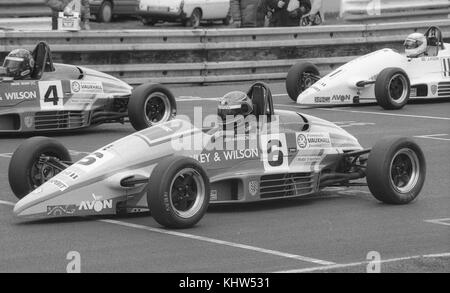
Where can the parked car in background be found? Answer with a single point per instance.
(188, 12)
(105, 10)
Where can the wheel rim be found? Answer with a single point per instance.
(405, 171)
(41, 172)
(157, 108)
(398, 90)
(107, 13)
(187, 193)
(306, 81)
(196, 18)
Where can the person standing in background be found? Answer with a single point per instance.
(279, 15)
(65, 6)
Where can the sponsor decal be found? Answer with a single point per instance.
(19, 96)
(61, 210)
(213, 195)
(28, 121)
(302, 141)
(315, 88)
(233, 155)
(322, 100)
(59, 184)
(434, 89)
(309, 159)
(96, 205)
(77, 101)
(313, 140)
(341, 98)
(253, 187)
(71, 174)
(81, 86)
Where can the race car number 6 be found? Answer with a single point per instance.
(274, 150)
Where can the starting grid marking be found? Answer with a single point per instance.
(324, 265)
(345, 124)
(445, 221)
(361, 263)
(435, 136)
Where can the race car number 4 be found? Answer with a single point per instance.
(51, 95)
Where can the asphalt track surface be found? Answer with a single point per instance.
(332, 232)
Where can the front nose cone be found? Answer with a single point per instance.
(35, 203)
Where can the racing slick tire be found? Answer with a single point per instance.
(25, 173)
(396, 170)
(195, 19)
(151, 104)
(296, 83)
(178, 192)
(105, 13)
(392, 88)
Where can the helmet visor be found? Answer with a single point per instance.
(13, 64)
(412, 44)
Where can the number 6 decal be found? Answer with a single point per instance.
(274, 152)
(51, 95)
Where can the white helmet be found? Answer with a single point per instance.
(415, 44)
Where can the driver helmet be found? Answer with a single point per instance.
(415, 45)
(235, 104)
(19, 64)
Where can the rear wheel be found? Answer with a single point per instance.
(105, 12)
(396, 170)
(151, 104)
(195, 19)
(148, 21)
(300, 77)
(30, 168)
(228, 20)
(178, 192)
(392, 88)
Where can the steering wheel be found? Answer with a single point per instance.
(434, 37)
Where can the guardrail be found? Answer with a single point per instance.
(10, 8)
(215, 55)
(393, 10)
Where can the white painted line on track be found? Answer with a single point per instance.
(220, 242)
(369, 112)
(7, 203)
(210, 240)
(445, 221)
(6, 155)
(361, 263)
(434, 136)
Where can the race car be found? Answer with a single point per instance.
(385, 76)
(176, 169)
(66, 97)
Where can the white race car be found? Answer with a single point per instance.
(387, 76)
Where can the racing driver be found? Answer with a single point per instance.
(415, 45)
(19, 64)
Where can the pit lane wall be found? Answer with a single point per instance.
(216, 55)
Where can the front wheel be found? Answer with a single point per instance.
(151, 104)
(178, 192)
(30, 166)
(396, 170)
(300, 77)
(392, 88)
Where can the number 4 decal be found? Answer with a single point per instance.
(51, 95)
